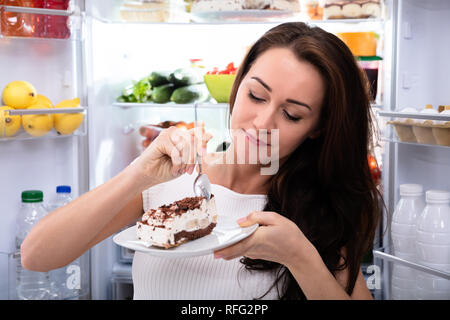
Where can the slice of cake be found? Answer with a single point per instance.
(173, 224)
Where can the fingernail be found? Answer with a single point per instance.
(241, 220)
(217, 256)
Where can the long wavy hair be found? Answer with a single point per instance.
(325, 186)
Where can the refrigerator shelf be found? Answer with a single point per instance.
(53, 12)
(185, 18)
(204, 105)
(384, 253)
(424, 116)
(415, 143)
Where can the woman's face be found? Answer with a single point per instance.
(279, 92)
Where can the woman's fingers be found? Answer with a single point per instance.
(189, 143)
(259, 217)
(236, 250)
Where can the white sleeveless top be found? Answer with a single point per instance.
(199, 278)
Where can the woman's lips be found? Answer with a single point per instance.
(255, 140)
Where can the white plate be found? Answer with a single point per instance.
(226, 233)
(239, 15)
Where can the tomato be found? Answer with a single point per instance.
(230, 69)
(230, 66)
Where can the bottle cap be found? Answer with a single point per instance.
(63, 189)
(411, 189)
(437, 196)
(32, 196)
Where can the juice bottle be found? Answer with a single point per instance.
(18, 24)
(56, 26)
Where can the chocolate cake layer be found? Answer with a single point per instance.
(192, 235)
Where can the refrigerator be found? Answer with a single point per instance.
(104, 53)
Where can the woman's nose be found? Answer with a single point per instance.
(265, 118)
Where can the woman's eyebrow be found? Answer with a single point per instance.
(262, 83)
(287, 100)
(299, 103)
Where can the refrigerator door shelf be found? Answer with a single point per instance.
(421, 116)
(54, 12)
(76, 276)
(21, 134)
(384, 254)
(40, 23)
(415, 128)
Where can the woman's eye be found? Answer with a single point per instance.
(289, 117)
(254, 98)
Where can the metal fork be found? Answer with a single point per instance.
(202, 185)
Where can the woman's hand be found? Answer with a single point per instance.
(170, 155)
(277, 239)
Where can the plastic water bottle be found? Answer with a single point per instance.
(65, 281)
(433, 245)
(403, 234)
(31, 285)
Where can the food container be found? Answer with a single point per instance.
(371, 66)
(423, 128)
(149, 11)
(403, 127)
(219, 86)
(363, 44)
(441, 129)
(352, 9)
(313, 8)
(441, 133)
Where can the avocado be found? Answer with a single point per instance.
(184, 77)
(162, 94)
(188, 94)
(158, 78)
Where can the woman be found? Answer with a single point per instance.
(317, 214)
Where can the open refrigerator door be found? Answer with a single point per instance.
(43, 137)
(417, 152)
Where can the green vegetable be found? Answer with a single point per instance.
(184, 77)
(188, 94)
(139, 91)
(162, 93)
(158, 78)
(142, 90)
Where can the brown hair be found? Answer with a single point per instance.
(325, 186)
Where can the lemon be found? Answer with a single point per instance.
(37, 125)
(9, 125)
(67, 123)
(42, 101)
(19, 94)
